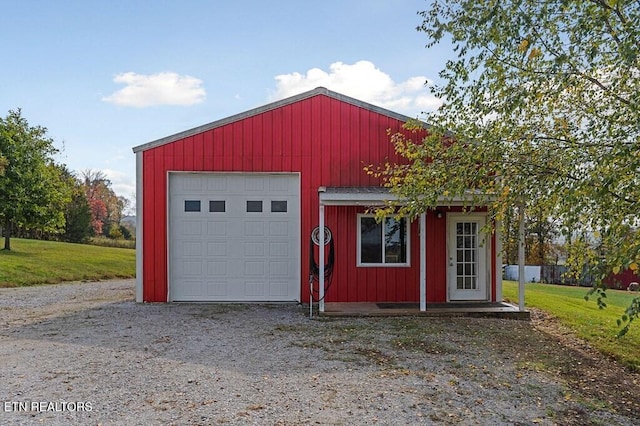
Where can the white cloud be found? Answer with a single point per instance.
(165, 88)
(362, 80)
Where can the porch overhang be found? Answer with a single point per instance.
(373, 196)
(376, 196)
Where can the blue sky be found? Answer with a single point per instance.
(105, 76)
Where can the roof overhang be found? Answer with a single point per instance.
(355, 196)
(376, 196)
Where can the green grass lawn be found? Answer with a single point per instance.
(596, 326)
(46, 262)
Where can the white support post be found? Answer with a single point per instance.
(423, 262)
(521, 257)
(321, 260)
(498, 256)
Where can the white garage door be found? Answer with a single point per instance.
(234, 237)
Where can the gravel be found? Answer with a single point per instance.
(86, 353)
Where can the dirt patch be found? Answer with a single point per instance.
(595, 376)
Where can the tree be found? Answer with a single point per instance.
(106, 206)
(77, 213)
(540, 109)
(32, 194)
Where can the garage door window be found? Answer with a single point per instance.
(254, 206)
(383, 243)
(278, 207)
(217, 206)
(191, 205)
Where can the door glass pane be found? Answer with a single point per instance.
(466, 255)
(468, 242)
(370, 240)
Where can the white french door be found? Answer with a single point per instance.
(467, 258)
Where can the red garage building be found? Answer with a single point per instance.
(226, 210)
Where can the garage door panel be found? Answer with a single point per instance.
(279, 228)
(280, 184)
(254, 184)
(217, 227)
(217, 268)
(254, 289)
(217, 184)
(192, 248)
(217, 289)
(254, 268)
(192, 268)
(278, 288)
(254, 228)
(278, 269)
(217, 248)
(223, 252)
(277, 249)
(254, 248)
(192, 288)
(191, 227)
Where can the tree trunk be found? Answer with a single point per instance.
(7, 234)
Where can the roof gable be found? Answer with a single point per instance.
(318, 91)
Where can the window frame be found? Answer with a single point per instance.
(359, 263)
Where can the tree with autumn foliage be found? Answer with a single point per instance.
(540, 109)
(106, 207)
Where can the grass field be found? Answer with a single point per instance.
(46, 262)
(596, 326)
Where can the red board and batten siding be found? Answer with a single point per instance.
(328, 141)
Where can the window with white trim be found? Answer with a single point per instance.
(384, 243)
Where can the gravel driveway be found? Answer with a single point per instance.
(85, 353)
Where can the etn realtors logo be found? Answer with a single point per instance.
(46, 406)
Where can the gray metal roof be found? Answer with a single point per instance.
(355, 195)
(296, 98)
(378, 195)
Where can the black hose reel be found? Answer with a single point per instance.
(314, 268)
